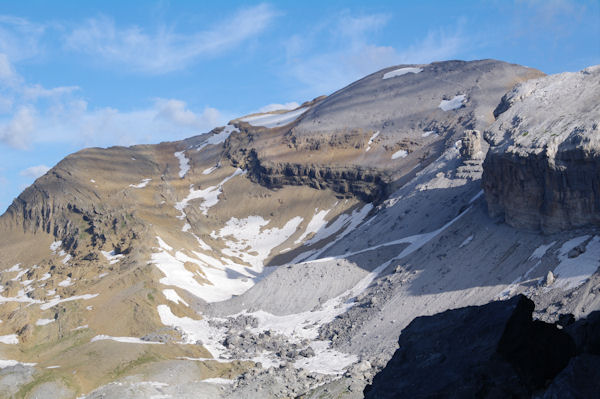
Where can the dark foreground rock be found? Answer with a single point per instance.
(492, 351)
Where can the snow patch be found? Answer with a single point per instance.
(401, 71)
(455, 103)
(127, 340)
(541, 251)
(373, 137)
(55, 245)
(572, 272)
(218, 381)
(314, 226)
(65, 283)
(56, 301)
(250, 242)
(43, 322)
(208, 171)
(274, 120)
(194, 330)
(429, 133)
(12, 363)
(172, 296)
(112, 257)
(466, 241)
(184, 163)
(10, 339)
(209, 195)
(142, 184)
(399, 154)
(219, 137)
(80, 328)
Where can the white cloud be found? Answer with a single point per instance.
(18, 130)
(35, 92)
(8, 76)
(19, 38)
(358, 26)
(165, 50)
(34, 172)
(277, 107)
(176, 111)
(353, 55)
(73, 122)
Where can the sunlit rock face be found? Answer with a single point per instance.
(543, 168)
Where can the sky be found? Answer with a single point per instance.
(79, 74)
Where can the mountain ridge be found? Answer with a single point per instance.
(285, 251)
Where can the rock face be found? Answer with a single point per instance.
(543, 168)
(471, 145)
(494, 350)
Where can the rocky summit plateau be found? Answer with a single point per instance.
(427, 231)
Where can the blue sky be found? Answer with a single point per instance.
(75, 74)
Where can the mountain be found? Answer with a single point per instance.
(283, 254)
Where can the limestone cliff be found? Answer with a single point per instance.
(543, 168)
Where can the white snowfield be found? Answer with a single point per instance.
(401, 71)
(429, 133)
(314, 226)
(347, 222)
(126, 340)
(43, 322)
(400, 154)
(55, 246)
(373, 137)
(222, 281)
(209, 195)
(10, 339)
(142, 184)
(56, 301)
(454, 103)
(219, 138)
(172, 296)
(184, 163)
(11, 363)
(112, 257)
(274, 120)
(219, 279)
(248, 240)
(218, 381)
(208, 171)
(572, 272)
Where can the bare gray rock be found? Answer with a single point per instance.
(542, 170)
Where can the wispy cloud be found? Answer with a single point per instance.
(17, 131)
(65, 117)
(351, 51)
(34, 172)
(166, 50)
(19, 37)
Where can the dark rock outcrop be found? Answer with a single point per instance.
(493, 351)
(367, 184)
(543, 168)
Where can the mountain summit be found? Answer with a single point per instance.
(283, 254)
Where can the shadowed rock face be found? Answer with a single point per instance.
(494, 350)
(543, 168)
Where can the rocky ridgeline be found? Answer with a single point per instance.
(542, 171)
(367, 184)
